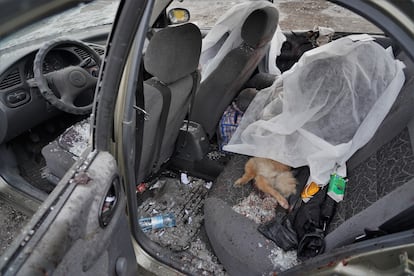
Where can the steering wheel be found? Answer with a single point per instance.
(68, 82)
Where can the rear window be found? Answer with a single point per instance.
(294, 14)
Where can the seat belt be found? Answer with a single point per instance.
(196, 81)
(159, 135)
(399, 223)
(140, 116)
(166, 97)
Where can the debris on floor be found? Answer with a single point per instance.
(184, 179)
(258, 207)
(283, 259)
(216, 155)
(157, 222)
(185, 202)
(204, 259)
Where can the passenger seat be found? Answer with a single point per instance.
(172, 57)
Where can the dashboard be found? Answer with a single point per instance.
(21, 104)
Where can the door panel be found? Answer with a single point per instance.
(75, 241)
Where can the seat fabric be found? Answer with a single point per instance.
(231, 52)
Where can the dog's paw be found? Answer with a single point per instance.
(283, 203)
(238, 183)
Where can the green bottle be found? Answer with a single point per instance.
(336, 188)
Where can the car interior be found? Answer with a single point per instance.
(182, 169)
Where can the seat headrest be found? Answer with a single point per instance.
(173, 52)
(259, 26)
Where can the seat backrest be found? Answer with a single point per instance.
(172, 57)
(231, 61)
(380, 172)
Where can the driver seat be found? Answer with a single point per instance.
(177, 73)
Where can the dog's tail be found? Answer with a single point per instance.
(286, 183)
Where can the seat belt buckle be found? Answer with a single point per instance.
(142, 111)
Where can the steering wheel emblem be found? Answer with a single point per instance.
(77, 78)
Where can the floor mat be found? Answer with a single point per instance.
(202, 261)
(186, 202)
(32, 168)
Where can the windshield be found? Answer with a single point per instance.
(82, 17)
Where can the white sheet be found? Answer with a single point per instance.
(320, 112)
(226, 35)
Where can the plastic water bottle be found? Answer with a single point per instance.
(157, 222)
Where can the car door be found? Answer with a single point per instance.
(75, 231)
(82, 228)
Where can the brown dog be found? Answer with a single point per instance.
(271, 177)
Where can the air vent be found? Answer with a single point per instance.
(12, 79)
(100, 51)
(82, 53)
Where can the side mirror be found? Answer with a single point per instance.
(178, 16)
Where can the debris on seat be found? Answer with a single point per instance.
(258, 207)
(304, 228)
(233, 115)
(241, 249)
(75, 139)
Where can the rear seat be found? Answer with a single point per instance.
(383, 167)
(378, 169)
